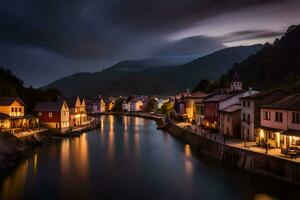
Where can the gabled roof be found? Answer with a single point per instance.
(232, 108)
(197, 95)
(7, 101)
(291, 102)
(264, 94)
(48, 106)
(218, 98)
(71, 101)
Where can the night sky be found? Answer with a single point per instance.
(43, 40)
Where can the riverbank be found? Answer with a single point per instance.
(13, 148)
(234, 157)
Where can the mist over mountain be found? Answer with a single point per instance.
(151, 77)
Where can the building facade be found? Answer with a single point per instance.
(77, 110)
(54, 116)
(280, 123)
(13, 118)
(230, 121)
(250, 112)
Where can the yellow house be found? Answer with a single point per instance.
(77, 109)
(12, 116)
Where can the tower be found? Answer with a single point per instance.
(236, 83)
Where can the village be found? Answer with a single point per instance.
(267, 122)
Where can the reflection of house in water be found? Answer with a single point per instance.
(14, 185)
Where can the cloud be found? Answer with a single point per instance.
(197, 45)
(250, 35)
(85, 35)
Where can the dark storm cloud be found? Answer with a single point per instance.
(86, 35)
(103, 29)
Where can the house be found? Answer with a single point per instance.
(95, 105)
(109, 104)
(54, 116)
(13, 118)
(280, 123)
(230, 120)
(136, 105)
(77, 110)
(180, 103)
(250, 111)
(126, 106)
(211, 109)
(194, 107)
(218, 102)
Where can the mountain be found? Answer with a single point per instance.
(136, 77)
(275, 64)
(12, 86)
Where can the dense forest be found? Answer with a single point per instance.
(274, 66)
(12, 86)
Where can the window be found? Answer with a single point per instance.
(50, 114)
(20, 109)
(248, 103)
(12, 109)
(228, 118)
(267, 116)
(40, 114)
(296, 118)
(244, 117)
(248, 118)
(278, 116)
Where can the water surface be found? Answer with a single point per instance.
(128, 158)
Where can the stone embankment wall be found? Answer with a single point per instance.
(235, 157)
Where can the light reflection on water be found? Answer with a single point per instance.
(125, 158)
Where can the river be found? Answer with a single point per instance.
(128, 158)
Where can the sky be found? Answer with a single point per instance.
(41, 41)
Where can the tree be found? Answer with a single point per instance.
(166, 108)
(151, 105)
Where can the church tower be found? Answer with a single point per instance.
(236, 83)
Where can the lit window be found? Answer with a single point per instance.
(50, 114)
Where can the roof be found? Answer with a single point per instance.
(6, 101)
(232, 108)
(183, 94)
(197, 95)
(218, 97)
(236, 77)
(48, 106)
(71, 101)
(291, 102)
(263, 94)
